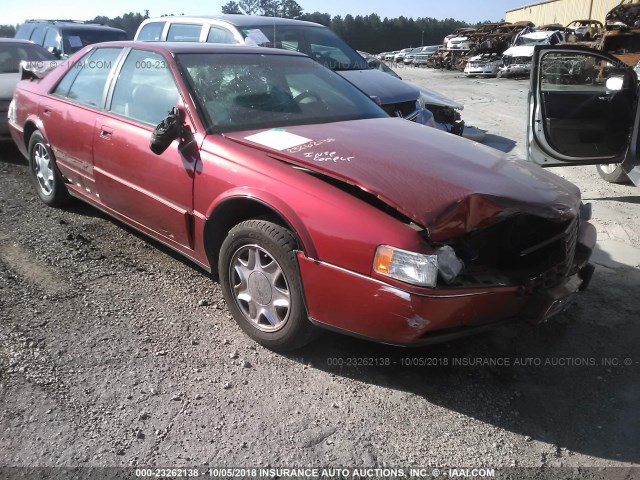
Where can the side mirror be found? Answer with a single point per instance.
(167, 131)
(55, 51)
(376, 99)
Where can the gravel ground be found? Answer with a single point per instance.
(116, 352)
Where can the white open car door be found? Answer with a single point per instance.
(582, 109)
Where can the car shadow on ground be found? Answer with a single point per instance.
(9, 153)
(571, 382)
(630, 199)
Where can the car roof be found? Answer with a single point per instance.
(75, 24)
(236, 20)
(80, 26)
(198, 47)
(15, 40)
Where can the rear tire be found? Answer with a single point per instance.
(44, 172)
(258, 272)
(612, 173)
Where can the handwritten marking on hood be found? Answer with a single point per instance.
(327, 157)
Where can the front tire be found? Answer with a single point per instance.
(259, 276)
(44, 172)
(612, 173)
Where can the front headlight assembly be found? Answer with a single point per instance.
(417, 268)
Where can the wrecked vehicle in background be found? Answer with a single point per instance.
(622, 34)
(516, 61)
(397, 98)
(486, 43)
(484, 65)
(583, 30)
(286, 180)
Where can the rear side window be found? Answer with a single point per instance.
(220, 35)
(145, 90)
(85, 81)
(38, 35)
(182, 32)
(53, 40)
(74, 39)
(151, 32)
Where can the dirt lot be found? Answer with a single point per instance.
(115, 352)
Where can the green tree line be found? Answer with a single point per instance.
(369, 32)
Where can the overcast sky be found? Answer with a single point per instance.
(469, 10)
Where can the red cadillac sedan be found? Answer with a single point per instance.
(312, 205)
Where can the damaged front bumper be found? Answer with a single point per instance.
(514, 70)
(366, 307)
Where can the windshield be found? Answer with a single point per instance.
(12, 53)
(76, 39)
(319, 43)
(250, 91)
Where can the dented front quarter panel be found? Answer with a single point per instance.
(444, 183)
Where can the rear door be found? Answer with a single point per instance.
(582, 108)
(70, 112)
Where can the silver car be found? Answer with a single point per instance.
(12, 52)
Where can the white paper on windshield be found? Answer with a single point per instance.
(257, 36)
(277, 139)
(75, 41)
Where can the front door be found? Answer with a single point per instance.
(582, 108)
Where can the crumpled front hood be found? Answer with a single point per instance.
(387, 88)
(519, 51)
(444, 183)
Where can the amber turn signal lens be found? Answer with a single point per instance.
(382, 262)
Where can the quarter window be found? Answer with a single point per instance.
(145, 90)
(151, 32)
(220, 35)
(180, 32)
(86, 79)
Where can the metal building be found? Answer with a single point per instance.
(562, 11)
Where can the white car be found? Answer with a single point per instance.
(459, 43)
(389, 56)
(486, 65)
(399, 57)
(517, 60)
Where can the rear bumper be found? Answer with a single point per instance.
(363, 306)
